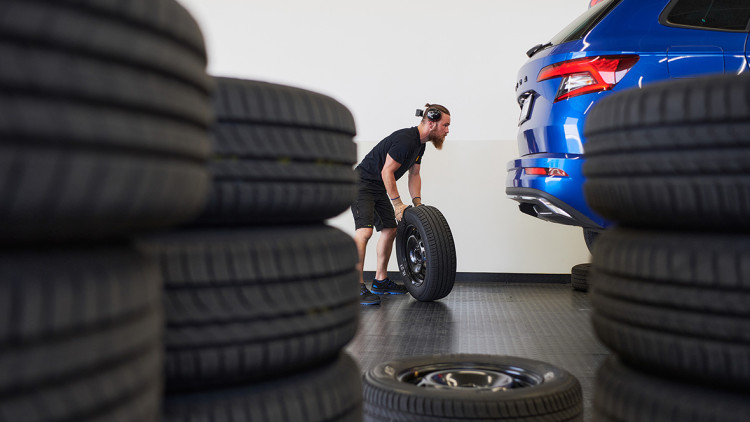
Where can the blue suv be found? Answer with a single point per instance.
(615, 45)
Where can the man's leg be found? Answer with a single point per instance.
(361, 237)
(385, 246)
(362, 210)
(382, 284)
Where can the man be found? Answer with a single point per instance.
(379, 203)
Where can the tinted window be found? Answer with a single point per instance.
(584, 23)
(732, 15)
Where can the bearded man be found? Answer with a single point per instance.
(379, 203)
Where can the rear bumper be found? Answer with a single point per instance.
(555, 199)
(548, 208)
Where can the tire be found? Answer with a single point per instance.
(675, 303)
(673, 154)
(625, 395)
(248, 304)
(282, 155)
(589, 236)
(81, 335)
(332, 393)
(579, 276)
(105, 118)
(426, 253)
(539, 391)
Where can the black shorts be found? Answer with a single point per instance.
(373, 207)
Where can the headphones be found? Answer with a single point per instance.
(433, 114)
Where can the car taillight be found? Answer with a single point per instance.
(588, 74)
(545, 171)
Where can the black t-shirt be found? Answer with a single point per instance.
(403, 146)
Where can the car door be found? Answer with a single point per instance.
(707, 37)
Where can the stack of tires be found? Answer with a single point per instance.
(104, 131)
(260, 295)
(670, 164)
(579, 277)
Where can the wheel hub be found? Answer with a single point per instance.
(470, 376)
(475, 379)
(416, 257)
(417, 254)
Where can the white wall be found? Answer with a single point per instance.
(466, 181)
(385, 59)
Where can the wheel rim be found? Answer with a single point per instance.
(416, 257)
(467, 379)
(470, 376)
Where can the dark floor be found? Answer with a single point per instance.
(547, 322)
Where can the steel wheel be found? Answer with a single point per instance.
(470, 376)
(416, 257)
(471, 387)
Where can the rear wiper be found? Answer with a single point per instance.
(535, 49)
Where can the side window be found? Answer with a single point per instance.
(727, 15)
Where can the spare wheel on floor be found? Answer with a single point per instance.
(471, 387)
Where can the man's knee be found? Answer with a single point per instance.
(364, 233)
(389, 233)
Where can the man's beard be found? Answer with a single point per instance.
(437, 141)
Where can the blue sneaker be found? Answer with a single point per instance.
(385, 287)
(366, 297)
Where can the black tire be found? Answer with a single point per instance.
(282, 154)
(426, 253)
(248, 304)
(105, 121)
(540, 391)
(579, 277)
(589, 236)
(331, 393)
(673, 154)
(675, 303)
(624, 395)
(80, 335)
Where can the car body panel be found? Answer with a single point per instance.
(552, 134)
(560, 190)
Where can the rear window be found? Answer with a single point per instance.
(584, 23)
(726, 15)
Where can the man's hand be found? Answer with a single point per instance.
(400, 212)
(417, 201)
(399, 208)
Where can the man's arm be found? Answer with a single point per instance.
(388, 174)
(389, 180)
(415, 185)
